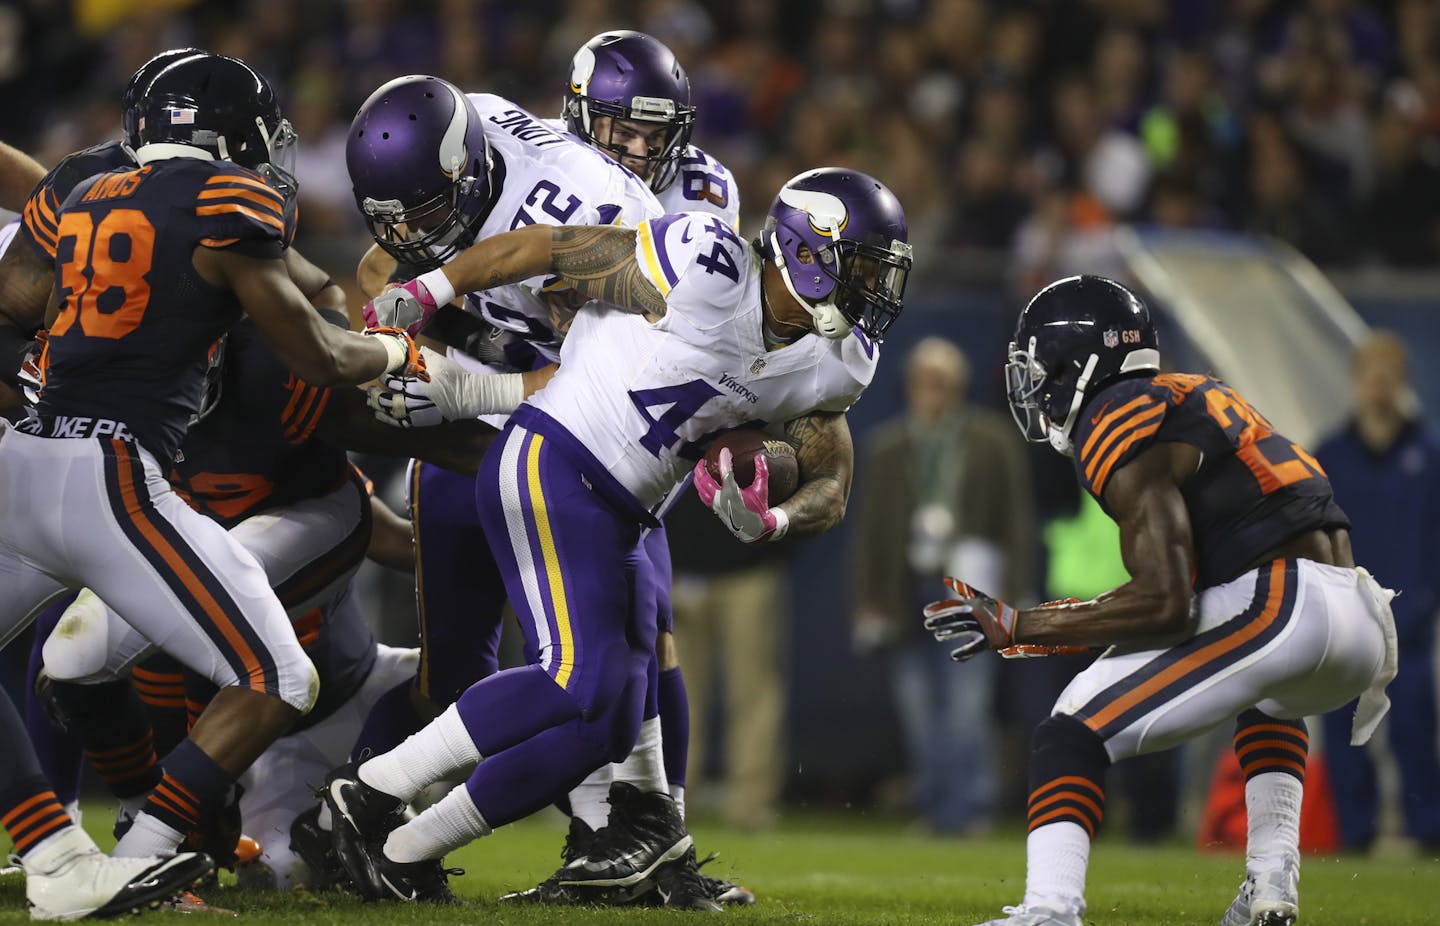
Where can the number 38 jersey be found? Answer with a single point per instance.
(1255, 488)
(644, 398)
(136, 321)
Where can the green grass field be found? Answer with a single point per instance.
(839, 870)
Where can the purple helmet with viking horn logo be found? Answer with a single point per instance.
(842, 246)
(631, 77)
(420, 167)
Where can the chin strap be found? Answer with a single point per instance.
(829, 321)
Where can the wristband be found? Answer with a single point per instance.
(438, 285)
(397, 352)
(782, 524)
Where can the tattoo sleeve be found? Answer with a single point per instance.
(600, 262)
(827, 464)
(26, 282)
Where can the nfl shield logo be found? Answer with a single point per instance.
(757, 366)
(1111, 338)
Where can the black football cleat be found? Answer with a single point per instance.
(317, 850)
(645, 831)
(425, 881)
(360, 819)
(578, 842)
(679, 884)
(724, 892)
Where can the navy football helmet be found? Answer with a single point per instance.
(1077, 335)
(135, 90)
(420, 166)
(213, 106)
(629, 76)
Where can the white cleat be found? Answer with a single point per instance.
(1034, 916)
(1271, 898)
(70, 878)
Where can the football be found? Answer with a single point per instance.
(747, 443)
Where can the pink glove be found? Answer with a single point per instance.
(746, 512)
(407, 306)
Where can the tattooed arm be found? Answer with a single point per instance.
(827, 463)
(599, 261)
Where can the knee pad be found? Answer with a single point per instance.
(1068, 762)
(78, 648)
(299, 682)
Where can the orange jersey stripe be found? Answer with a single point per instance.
(224, 208)
(1103, 476)
(1275, 595)
(1103, 424)
(294, 427)
(177, 564)
(269, 199)
(315, 417)
(241, 180)
(1116, 432)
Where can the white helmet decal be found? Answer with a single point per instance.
(582, 68)
(827, 212)
(452, 145)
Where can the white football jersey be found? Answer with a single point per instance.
(645, 398)
(702, 184)
(545, 178)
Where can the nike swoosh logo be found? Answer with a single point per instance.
(735, 528)
(399, 893)
(1101, 413)
(685, 235)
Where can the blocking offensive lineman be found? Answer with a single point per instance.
(697, 332)
(1236, 549)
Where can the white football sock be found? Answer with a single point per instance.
(645, 766)
(450, 823)
(677, 794)
(1056, 856)
(148, 837)
(1272, 806)
(590, 798)
(440, 749)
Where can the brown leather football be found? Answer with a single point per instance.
(744, 445)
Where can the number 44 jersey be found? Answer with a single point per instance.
(645, 397)
(1255, 488)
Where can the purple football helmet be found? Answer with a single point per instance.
(420, 167)
(856, 251)
(629, 76)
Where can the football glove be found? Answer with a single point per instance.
(745, 512)
(407, 306)
(405, 358)
(978, 622)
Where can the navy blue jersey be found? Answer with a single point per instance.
(257, 448)
(136, 320)
(1255, 488)
(40, 222)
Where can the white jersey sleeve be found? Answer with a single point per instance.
(703, 185)
(698, 264)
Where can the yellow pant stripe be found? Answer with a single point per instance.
(552, 565)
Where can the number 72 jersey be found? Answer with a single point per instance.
(646, 397)
(1255, 488)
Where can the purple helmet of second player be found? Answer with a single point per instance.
(420, 167)
(630, 77)
(840, 241)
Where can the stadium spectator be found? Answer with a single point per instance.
(1385, 467)
(947, 486)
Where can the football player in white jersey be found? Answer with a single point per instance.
(696, 332)
(629, 98)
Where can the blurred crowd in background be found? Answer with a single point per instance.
(1032, 126)
(1021, 135)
